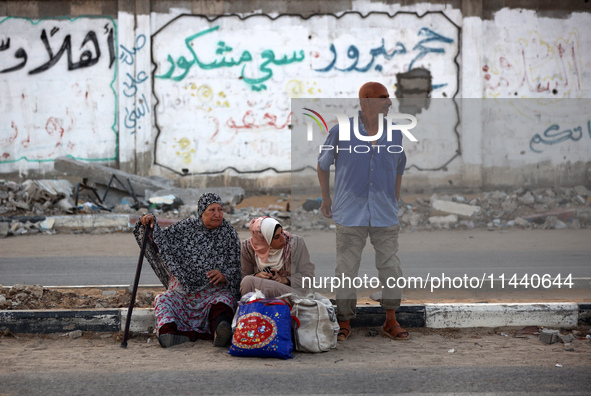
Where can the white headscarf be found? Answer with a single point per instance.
(275, 258)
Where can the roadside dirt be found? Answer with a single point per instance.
(26, 297)
(24, 354)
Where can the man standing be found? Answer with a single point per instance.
(368, 176)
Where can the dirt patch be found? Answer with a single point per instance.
(23, 297)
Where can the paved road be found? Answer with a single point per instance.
(67, 259)
(113, 270)
(312, 380)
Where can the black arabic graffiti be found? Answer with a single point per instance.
(87, 57)
(5, 45)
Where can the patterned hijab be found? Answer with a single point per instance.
(262, 231)
(189, 250)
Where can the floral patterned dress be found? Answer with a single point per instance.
(181, 255)
(190, 311)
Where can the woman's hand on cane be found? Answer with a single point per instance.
(147, 219)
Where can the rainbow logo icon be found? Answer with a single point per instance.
(317, 121)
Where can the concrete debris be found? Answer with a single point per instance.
(549, 336)
(20, 295)
(498, 196)
(454, 208)
(100, 176)
(4, 302)
(47, 190)
(553, 223)
(566, 338)
(412, 218)
(509, 206)
(575, 224)
(443, 220)
(581, 190)
(458, 198)
(544, 208)
(75, 334)
(527, 199)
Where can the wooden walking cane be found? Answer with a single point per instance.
(135, 285)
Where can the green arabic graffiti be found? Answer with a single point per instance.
(256, 83)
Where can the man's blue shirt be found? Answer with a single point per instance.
(365, 177)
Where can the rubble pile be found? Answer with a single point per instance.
(36, 197)
(20, 297)
(546, 208)
(27, 207)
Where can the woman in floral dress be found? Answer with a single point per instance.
(198, 259)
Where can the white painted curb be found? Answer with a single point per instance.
(142, 320)
(559, 315)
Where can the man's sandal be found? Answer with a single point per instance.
(393, 330)
(344, 331)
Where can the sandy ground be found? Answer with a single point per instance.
(101, 353)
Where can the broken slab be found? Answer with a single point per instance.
(48, 190)
(549, 336)
(447, 207)
(102, 175)
(147, 187)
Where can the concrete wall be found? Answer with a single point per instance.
(59, 90)
(186, 90)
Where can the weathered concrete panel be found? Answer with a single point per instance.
(85, 7)
(495, 315)
(102, 174)
(142, 320)
(60, 321)
(23, 8)
(58, 95)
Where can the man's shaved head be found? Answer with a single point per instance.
(372, 89)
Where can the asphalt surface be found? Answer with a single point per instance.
(312, 380)
(116, 270)
(476, 253)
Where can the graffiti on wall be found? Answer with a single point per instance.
(267, 61)
(539, 77)
(89, 55)
(57, 95)
(536, 67)
(223, 87)
(133, 82)
(554, 134)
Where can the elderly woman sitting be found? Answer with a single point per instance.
(198, 259)
(273, 260)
